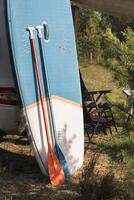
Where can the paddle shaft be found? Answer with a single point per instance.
(50, 110)
(40, 90)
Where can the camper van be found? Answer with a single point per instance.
(9, 106)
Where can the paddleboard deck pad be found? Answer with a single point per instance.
(63, 77)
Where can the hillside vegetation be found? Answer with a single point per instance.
(109, 41)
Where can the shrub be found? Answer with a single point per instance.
(96, 187)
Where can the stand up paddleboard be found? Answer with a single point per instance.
(49, 85)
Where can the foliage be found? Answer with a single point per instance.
(89, 35)
(117, 24)
(127, 55)
(123, 52)
(110, 41)
(110, 44)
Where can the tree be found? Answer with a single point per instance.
(123, 52)
(112, 39)
(89, 42)
(127, 55)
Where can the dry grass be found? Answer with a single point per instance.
(21, 179)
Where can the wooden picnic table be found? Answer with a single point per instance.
(99, 93)
(95, 95)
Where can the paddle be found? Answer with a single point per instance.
(59, 153)
(55, 170)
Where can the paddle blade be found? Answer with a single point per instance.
(62, 161)
(56, 172)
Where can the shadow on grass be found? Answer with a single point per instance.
(22, 140)
(118, 147)
(16, 163)
(123, 120)
(21, 179)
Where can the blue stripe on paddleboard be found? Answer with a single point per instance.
(60, 51)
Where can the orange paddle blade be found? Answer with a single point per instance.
(55, 170)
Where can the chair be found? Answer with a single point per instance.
(107, 109)
(97, 116)
(91, 124)
(97, 121)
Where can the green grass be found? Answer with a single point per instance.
(97, 77)
(120, 150)
(118, 182)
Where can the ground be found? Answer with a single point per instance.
(21, 179)
(107, 172)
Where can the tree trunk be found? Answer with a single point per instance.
(91, 58)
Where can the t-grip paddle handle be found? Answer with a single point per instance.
(31, 30)
(39, 31)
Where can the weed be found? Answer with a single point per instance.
(94, 186)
